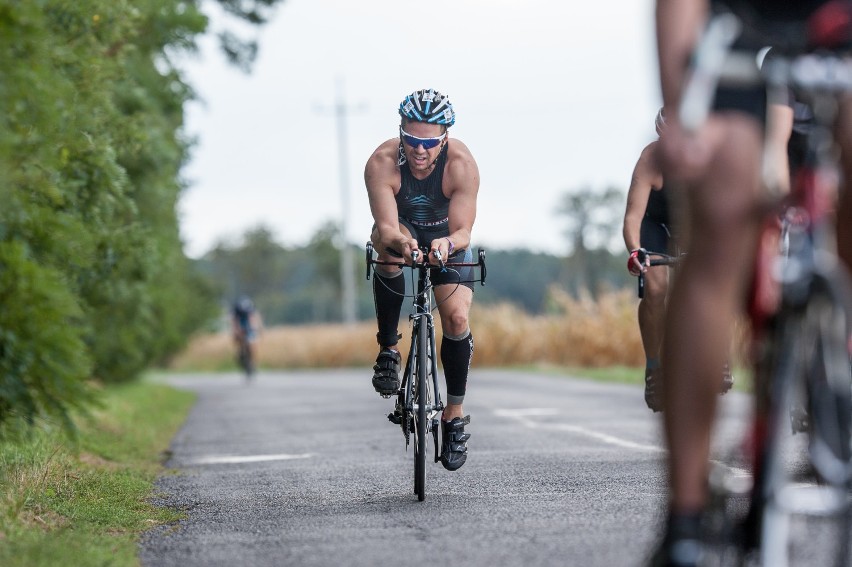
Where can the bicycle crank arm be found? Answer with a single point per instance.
(434, 423)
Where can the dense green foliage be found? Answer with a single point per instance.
(93, 279)
(294, 285)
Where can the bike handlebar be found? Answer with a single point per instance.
(654, 259)
(425, 250)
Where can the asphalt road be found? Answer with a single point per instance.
(303, 469)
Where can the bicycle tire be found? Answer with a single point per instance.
(245, 361)
(420, 421)
(811, 369)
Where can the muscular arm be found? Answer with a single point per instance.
(462, 181)
(779, 127)
(679, 24)
(645, 176)
(381, 176)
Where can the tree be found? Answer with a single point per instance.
(242, 52)
(93, 279)
(592, 223)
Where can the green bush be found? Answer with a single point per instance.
(93, 279)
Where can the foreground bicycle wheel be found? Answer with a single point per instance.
(801, 486)
(420, 418)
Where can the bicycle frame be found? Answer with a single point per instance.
(422, 322)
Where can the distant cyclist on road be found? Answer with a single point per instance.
(647, 227)
(422, 188)
(246, 323)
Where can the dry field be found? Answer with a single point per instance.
(580, 332)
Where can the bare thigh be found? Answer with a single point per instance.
(454, 306)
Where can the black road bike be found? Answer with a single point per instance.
(418, 401)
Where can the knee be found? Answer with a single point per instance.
(654, 295)
(456, 323)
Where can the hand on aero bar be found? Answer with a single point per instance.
(638, 261)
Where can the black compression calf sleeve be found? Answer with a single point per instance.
(388, 291)
(456, 353)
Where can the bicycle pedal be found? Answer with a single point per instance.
(394, 417)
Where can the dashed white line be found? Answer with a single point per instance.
(741, 477)
(522, 416)
(235, 459)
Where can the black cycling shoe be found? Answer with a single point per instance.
(453, 444)
(386, 372)
(653, 389)
(681, 546)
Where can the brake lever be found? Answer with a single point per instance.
(437, 254)
(369, 258)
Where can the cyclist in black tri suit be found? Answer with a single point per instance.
(718, 169)
(648, 227)
(422, 188)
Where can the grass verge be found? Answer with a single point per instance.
(86, 501)
(636, 375)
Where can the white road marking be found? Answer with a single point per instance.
(522, 416)
(233, 459)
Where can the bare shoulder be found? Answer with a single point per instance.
(458, 154)
(382, 167)
(650, 151)
(649, 159)
(462, 170)
(385, 155)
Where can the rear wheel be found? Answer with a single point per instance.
(245, 360)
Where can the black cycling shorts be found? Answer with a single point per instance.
(654, 236)
(751, 101)
(450, 275)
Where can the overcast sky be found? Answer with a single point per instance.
(549, 96)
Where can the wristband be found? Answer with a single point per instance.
(452, 246)
(635, 253)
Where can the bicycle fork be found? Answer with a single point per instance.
(436, 405)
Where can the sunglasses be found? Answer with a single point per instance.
(414, 141)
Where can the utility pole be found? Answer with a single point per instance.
(347, 279)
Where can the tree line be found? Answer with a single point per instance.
(294, 285)
(93, 279)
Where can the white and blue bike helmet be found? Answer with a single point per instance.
(428, 105)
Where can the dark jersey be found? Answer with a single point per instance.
(243, 316)
(657, 208)
(654, 233)
(421, 201)
(773, 10)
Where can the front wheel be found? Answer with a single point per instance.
(804, 478)
(421, 388)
